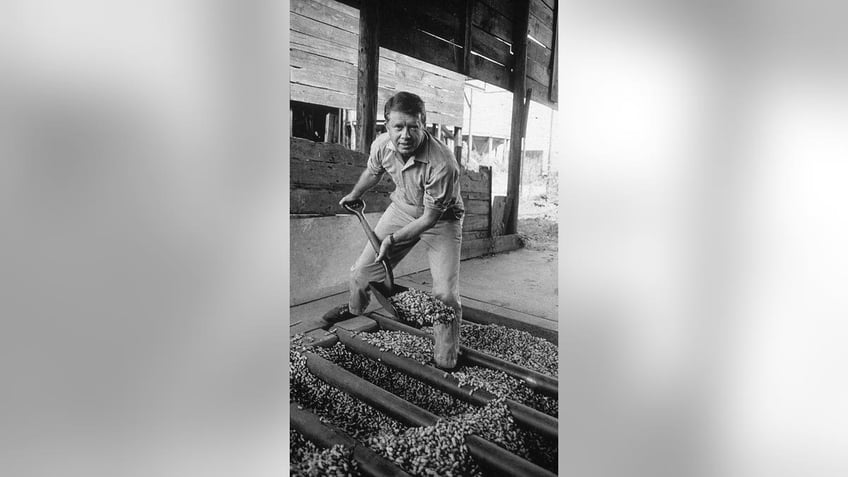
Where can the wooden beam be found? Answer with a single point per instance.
(368, 73)
(457, 144)
(519, 104)
(466, 45)
(331, 123)
(496, 224)
(553, 87)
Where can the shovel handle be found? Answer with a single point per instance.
(358, 207)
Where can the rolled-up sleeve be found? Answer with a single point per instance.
(375, 159)
(440, 188)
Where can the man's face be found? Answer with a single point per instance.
(405, 131)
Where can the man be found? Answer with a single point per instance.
(426, 205)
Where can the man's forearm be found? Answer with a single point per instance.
(409, 232)
(366, 181)
(414, 229)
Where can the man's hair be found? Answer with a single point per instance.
(407, 103)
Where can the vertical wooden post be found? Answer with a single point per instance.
(466, 45)
(519, 81)
(367, 73)
(553, 88)
(331, 122)
(470, 115)
(457, 145)
(340, 126)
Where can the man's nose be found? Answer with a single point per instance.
(404, 133)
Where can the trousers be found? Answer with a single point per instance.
(444, 245)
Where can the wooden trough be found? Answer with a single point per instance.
(491, 458)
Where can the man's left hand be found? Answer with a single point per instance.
(385, 246)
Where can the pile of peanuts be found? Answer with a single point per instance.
(432, 450)
(419, 308)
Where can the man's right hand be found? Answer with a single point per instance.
(348, 198)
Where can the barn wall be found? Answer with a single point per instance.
(324, 55)
(321, 173)
(433, 31)
(325, 240)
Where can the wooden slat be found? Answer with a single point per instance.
(497, 215)
(475, 206)
(319, 46)
(327, 176)
(504, 7)
(419, 45)
(475, 195)
(430, 102)
(550, 3)
(490, 47)
(387, 76)
(491, 21)
(303, 59)
(541, 93)
(328, 74)
(541, 31)
(544, 13)
(538, 72)
(322, 79)
(446, 79)
(474, 235)
(314, 28)
(306, 150)
(538, 53)
(310, 94)
(476, 248)
(326, 202)
(489, 72)
(330, 12)
(468, 185)
(473, 222)
(442, 19)
(451, 99)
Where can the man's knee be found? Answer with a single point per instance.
(356, 276)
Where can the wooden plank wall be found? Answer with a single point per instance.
(321, 173)
(432, 31)
(323, 52)
(323, 55)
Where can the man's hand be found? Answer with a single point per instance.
(385, 246)
(348, 198)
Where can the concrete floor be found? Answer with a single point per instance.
(523, 280)
(521, 284)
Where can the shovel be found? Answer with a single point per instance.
(382, 291)
(445, 336)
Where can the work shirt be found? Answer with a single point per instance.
(428, 179)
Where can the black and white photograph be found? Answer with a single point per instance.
(424, 238)
(462, 238)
